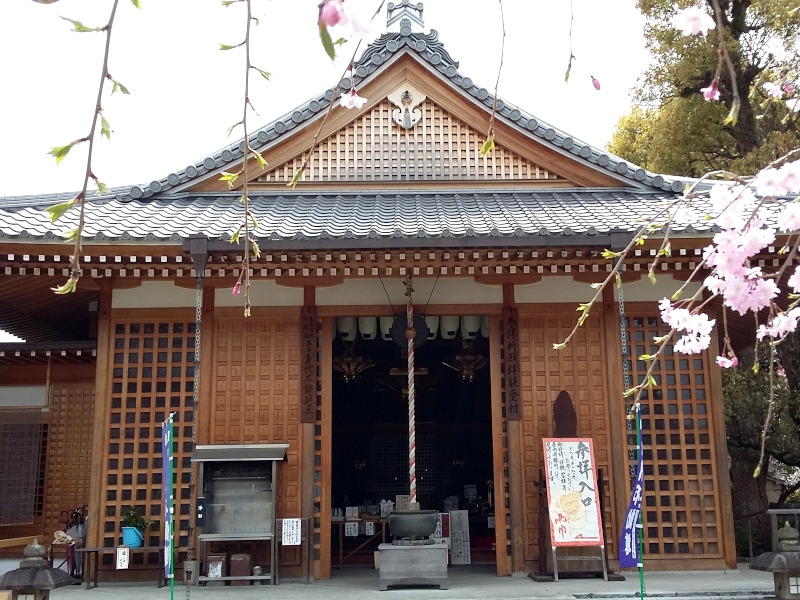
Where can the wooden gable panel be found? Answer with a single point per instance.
(439, 147)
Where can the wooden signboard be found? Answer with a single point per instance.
(308, 364)
(571, 492)
(511, 359)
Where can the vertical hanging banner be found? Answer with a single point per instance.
(308, 364)
(511, 360)
(166, 494)
(571, 492)
(628, 543)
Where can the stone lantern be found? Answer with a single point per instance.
(784, 565)
(34, 577)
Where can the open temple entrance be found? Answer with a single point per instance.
(370, 430)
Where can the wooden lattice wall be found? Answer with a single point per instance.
(681, 506)
(256, 396)
(544, 372)
(152, 376)
(69, 453)
(439, 147)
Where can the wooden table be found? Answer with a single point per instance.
(340, 523)
(90, 565)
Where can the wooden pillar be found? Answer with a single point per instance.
(502, 559)
(515, 478)
(720, 445)
(206, 390)
(101, 404)
(619, 479)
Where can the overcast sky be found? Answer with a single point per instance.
(185, 93)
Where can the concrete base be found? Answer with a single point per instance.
(413, 565)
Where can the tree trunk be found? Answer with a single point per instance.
(749, 494)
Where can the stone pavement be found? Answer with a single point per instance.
(476, 582)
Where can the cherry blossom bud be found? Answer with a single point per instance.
(788, 88)
(331, 13)
(237, 288)
(711, 92)
(595, 83)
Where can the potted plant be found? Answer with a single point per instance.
(133, 525)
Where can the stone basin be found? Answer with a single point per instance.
(412, 524)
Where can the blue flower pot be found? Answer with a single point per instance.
(132, 537)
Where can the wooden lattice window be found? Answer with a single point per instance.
(152, 376)
(22, 479)
(680, 504)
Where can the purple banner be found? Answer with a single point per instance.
(166, 480)
(628, 542)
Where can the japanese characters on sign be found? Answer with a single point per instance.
(511, 357)
(628, 543)
(308, 364)
(290, 535)
(459, 538)
(572, 492)
(166, 481)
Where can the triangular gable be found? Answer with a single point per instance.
(439, 146)
(395, 58)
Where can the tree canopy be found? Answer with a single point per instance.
(673, 129)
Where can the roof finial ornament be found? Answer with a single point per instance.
(404, 17)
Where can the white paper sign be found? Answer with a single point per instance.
(459, 538)
(370, 528)
(123, 557)
(351, 529)
(291, 532)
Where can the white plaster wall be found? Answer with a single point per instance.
(153, 294)
(361, 292)
(23, 395)
(263, 292)
(565, 289)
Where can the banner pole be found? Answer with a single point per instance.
(640, 526)
(167, 487)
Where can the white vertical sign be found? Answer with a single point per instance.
(123, 557)
(459, 538)
(291, 532)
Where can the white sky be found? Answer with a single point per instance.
(185, 93)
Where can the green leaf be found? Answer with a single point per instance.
(264, 74)
(230, 178)
(101, 187)
(71, 235)
(227, 3)
(609, 254)
(136, 4)
(261, 162)
(236, 235)
(256, 249)
(560, 346)
(68, 287)
(61, 151)
(327, 43)
(297, 175)
(629, 392)
(488, 146)
(651, 382)
(80, 27)
(651, 276)
(105, 128)
(57, 211)
(757, 472)
(733, 116)
(228, 47)
(340, 41)
(118, 87)
(677, 294)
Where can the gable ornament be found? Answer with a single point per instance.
(407, 99)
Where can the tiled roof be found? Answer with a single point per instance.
(394, 218)
(432, 53)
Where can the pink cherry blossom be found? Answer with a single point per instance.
(595, 83)
(711, 92)
(352, 100)
(789, 217)
(788, 88)
(727, 363)
(692, 20)
(794, 280)
(695, 328)
(780, 326)
(793, 104)
(769, 182)
(332, 13)
(778, 50)
(773, 90)
(731, 205)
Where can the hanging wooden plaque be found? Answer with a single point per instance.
(308, 365)
(511, 361)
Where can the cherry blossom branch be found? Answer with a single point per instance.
(489, 143)
(59, 152)
(724, 58)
